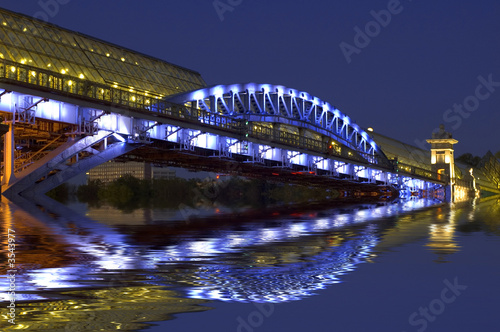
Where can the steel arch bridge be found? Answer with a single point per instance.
(264, 128)
(291, 111)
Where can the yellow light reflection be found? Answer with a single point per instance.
(106, 309)
(441, 240)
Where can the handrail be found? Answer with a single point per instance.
(36, 156)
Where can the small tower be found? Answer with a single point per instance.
(442, 159)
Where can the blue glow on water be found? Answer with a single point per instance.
(214, 272)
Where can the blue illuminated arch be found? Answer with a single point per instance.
(279, 104)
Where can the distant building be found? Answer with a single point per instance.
(442, 157)
(162, 173)
(112, 170)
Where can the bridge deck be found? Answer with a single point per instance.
(72, 89)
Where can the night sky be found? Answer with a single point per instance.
(423, 63)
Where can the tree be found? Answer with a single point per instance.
(469, 159)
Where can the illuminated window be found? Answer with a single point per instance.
(440, 157)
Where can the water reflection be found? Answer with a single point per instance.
(72, 268)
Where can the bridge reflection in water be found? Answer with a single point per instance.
(76, 273)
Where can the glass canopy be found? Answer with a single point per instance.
(31, 42)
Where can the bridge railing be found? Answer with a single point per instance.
(72, 85)
(306, 143)
(411, 170)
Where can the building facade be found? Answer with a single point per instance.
(112, 170)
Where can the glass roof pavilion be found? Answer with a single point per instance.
(34, 43)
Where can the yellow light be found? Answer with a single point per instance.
(49, 65)
(4, 23)
(1, 55)
(81, 76)
(133, 98)
(33, 73)
(115, 86)
(70, 83)
(63, 71)
(131, 90)
(23, 61)
(24, 30)
(123, 59)
(146, 94)
(13, 69)
(107, 54)
(102, 91)
(369, 129)
(147, 101)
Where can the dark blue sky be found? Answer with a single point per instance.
(404, 81)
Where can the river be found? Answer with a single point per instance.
(409, 265)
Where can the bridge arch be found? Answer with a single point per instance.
(287, 108)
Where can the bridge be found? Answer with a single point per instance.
(71, 102)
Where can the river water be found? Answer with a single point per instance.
(412, 265)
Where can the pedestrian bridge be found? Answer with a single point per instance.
(261, 126)
(70, 102)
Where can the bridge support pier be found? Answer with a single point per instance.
(8, 157)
